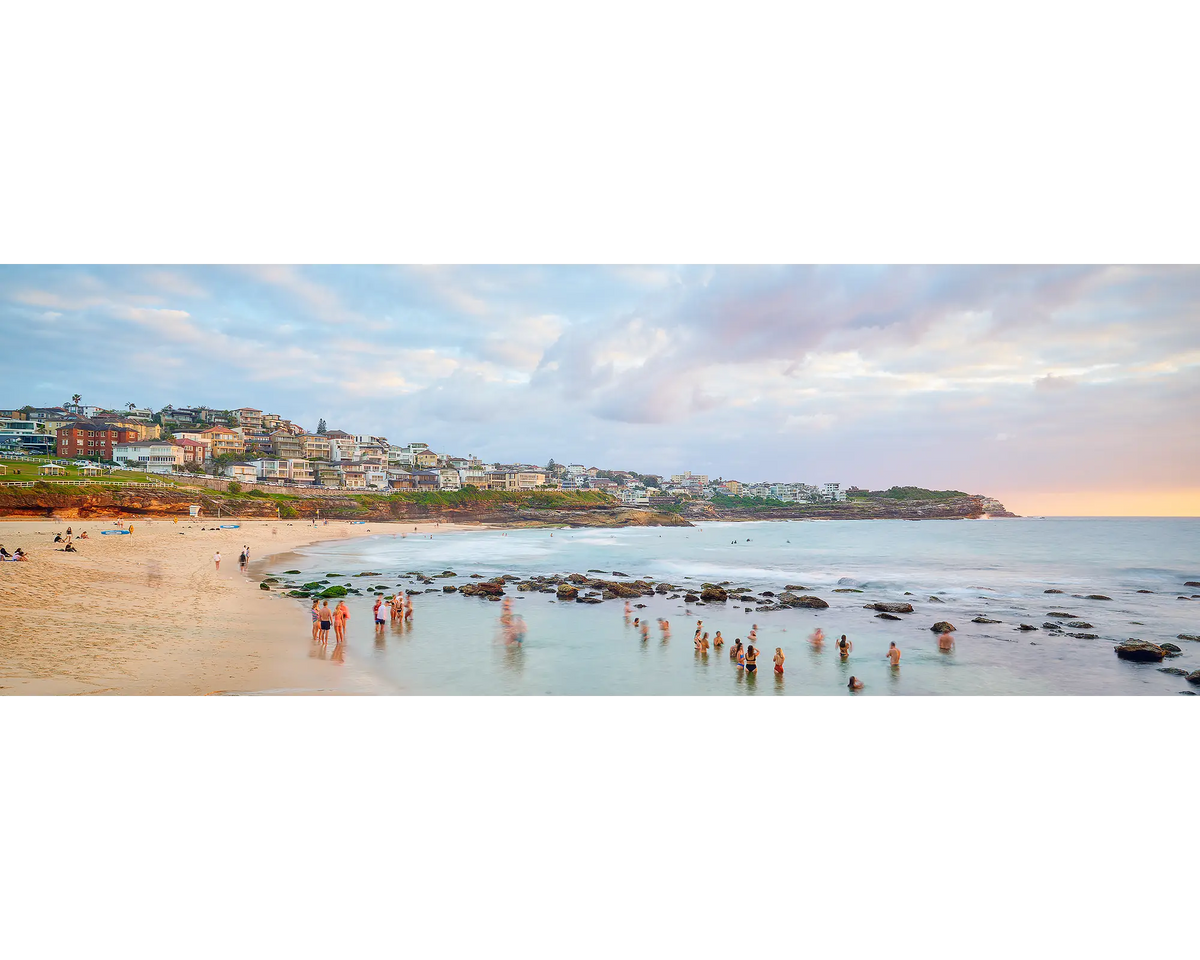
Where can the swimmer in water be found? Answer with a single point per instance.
(718, 640)
(736, 649)
(778, 659)
(855, 684)
(645, 630)
(844, 647)
(945, 641)
(699, 624)
(893, 654)
(628, 611)
(817, 638)
(753, 633)
(637, 622)
(751, 656)
(741, 655)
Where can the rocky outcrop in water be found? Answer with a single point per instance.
(1140, 651)
(891, 607)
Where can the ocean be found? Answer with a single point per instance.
(997, 568)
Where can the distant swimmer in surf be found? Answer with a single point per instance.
(855, 684)
(817, 638)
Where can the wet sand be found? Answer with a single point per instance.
(148, 613)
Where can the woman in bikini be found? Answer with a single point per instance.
(316, 615)
(341, 614)
(778, 658)
(844, 647)
(741, 655)
(751, 657)
(855, 684)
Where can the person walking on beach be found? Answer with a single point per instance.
(242, 561)
(326, 621)
(893, 654)
(316, 617)
(778, 659)
(340, 615)
(844, 647)
(217, 559)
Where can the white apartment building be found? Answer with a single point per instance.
(291, 470)
(448, 479)
(833, 491)
(153, 456)
(473, 476)
(634, 496)
(241, 472)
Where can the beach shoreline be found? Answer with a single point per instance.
(149, 613)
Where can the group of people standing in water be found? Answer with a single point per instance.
(746, 657)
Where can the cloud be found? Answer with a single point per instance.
(874, 375)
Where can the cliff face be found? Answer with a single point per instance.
(166, 504)
(969, 507)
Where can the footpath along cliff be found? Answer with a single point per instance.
(536, 508)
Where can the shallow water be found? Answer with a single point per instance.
(998, 568)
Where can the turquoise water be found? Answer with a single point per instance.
(997, 568)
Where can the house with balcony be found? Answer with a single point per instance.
(315, 446)
(224, 441)
(241, 472)
(448, 479)
(153, 456)
(286, 446)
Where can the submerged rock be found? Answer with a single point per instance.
(846, 590)
(1027, 626)
(713, 594)
(1171, 648)
(1188, 636)
(588, 600)
(795, 586)
(479, 590)
(1062, 615)
(1145, 591)
(892, 607)
(936, 600)
(811, 603)
(263, 586)
(1051, 591)
(984, 620)
(942, 626)
(1173, 671)
(1096, 596)
(887, 616)
(1051, 625)
(1080, 625)
(449, 588)
(1140, 651)
(1084, 636)
(1191, 583)
(690, 598)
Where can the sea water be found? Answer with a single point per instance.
(995, 568)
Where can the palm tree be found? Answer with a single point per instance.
(75, 398)
(131, 406)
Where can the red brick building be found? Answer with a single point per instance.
(193, 450)
(89, 438)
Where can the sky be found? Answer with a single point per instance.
(1057, 389)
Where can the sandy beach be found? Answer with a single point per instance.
(148, 612)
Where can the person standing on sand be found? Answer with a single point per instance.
(340, 615)
(778, 659)
(217, 559)
(326, 621)
(316, 617)
(893, 654)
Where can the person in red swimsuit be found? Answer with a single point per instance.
(779, 659)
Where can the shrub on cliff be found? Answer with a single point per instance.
(234, 487)
(288, 512)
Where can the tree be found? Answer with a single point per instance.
(234, 487)
(321, 425)
(551, 465)
(131, 406)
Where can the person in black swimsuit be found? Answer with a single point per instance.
(844, 647)
(751, 659)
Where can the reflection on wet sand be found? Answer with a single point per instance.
(318, 650)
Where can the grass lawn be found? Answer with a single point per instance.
(28, 470)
